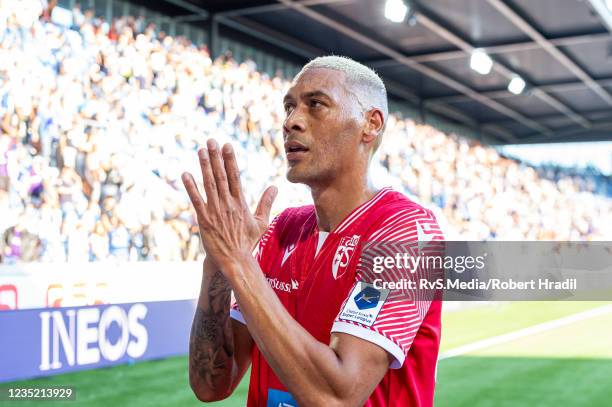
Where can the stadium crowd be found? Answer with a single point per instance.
(99, 119)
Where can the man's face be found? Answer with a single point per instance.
(322, 128)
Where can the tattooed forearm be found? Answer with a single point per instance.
(211, 344)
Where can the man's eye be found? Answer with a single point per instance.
(288, 107)
(315, 103)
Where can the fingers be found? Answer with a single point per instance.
(194, 194)
(210, 185)
(233, 173)
(218, 170)
(265, 203)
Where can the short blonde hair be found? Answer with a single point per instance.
(367, 86)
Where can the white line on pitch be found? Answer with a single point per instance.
(521, 333)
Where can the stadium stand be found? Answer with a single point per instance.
(97, 121)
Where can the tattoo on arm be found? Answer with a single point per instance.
(211, 344)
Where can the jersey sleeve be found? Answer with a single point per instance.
(259, 253)
(391, 318)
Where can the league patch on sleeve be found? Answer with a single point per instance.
(364, 304)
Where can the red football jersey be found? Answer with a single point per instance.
(316, 276)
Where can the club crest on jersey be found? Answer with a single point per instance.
(343, 255)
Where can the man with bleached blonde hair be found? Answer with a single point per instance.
(316, 332)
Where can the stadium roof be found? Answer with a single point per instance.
(561, 48)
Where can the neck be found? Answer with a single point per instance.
(334, 202)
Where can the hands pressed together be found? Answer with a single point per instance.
(227, 228)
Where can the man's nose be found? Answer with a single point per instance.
(295, 121)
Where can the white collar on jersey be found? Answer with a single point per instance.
(322, 237)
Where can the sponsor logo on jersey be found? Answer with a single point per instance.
(288, 250)
(343, 255)
(278, 398)
(278, 285)
(364, 304)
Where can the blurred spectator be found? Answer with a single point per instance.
(98, 121)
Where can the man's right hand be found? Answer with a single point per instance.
(256, 223)
(220, 347)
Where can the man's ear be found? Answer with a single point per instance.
(375, 122)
